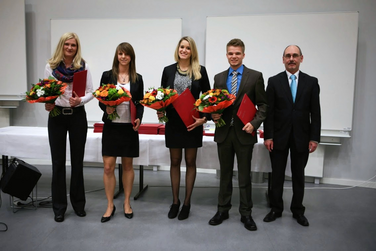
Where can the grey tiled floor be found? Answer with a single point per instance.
(340, 219)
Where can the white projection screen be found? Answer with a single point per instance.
(328, 42)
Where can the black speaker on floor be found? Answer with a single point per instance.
(20, 179)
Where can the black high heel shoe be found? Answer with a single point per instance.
(128, 216)
(105, 219)
(174, 210)
(184, 213)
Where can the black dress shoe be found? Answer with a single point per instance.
(128, 216)
(174, 210)
(218, 218)
(80, 213)
(301, 219)
(271, 216)
(184, 213)
(248, 223)
(59, 218)
(105, 219)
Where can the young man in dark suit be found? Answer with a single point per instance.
(293, 125)
(235, 138)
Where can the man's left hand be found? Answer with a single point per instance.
(248, 128)
(312, 146)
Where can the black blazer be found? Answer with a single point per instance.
(252, 84)
(198, 86)
(136, 90)
(302, 118)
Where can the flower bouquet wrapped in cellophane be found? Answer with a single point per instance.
(46, 91)
(158, 99)
(215, 101)
(112, 95)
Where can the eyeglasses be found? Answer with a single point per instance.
(295, 55)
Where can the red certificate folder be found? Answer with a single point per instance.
(184, 105)
(133, 112)
(247, 111)
(79, 83)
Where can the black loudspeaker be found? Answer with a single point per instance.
(20, 179)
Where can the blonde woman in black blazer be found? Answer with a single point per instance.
(185, 73)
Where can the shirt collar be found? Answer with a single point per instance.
(239, 70)
(296, 74)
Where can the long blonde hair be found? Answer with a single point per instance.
(58, 55)
(128, 50)
(194, 68)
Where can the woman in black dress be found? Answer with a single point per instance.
(119, 136)
(185, 73)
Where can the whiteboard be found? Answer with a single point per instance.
(153, 40)
(12, 50)
(328, 42)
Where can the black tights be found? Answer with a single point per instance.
(190, 177)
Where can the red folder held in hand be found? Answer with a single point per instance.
(247, 111)
(79, 83)
(133, 112)
(184, 105)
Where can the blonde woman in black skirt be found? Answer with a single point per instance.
(120, 137)
(185, 73)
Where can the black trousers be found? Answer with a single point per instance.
(299, 158)
(226, 153)
(58, 127)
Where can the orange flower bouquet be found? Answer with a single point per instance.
(215, 101)
(46, 91)
(158, 99)
(112, 95)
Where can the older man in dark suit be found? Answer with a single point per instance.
(292, 126)
(235, 138)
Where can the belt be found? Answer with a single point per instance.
(69, 110)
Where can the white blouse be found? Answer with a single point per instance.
(123, 110)
(63, 100)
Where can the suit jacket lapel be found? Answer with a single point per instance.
(223, 78)
(301, 86)
(286, 86)
(242, 86)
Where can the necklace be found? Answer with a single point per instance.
(123, 77)
(181, 71)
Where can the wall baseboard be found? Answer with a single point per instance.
(351, 183)
(331, 181)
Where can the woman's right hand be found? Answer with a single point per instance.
(160, 114)
(49, 106)
(110, 109)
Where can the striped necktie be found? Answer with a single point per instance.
(234, 87)
(234, 82)
(293, 87)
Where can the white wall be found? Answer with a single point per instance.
(13, 46)
(354, 160)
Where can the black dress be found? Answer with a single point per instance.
(176, 134)
(119, 139)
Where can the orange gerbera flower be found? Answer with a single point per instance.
(104, 93)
